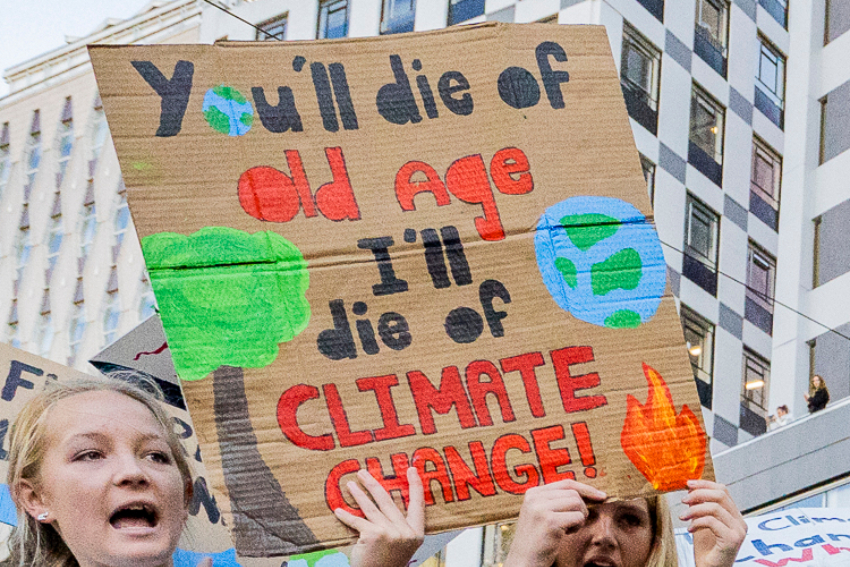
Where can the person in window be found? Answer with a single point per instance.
(780, 418)
(570, 524)
(818, 395)
(98, 477)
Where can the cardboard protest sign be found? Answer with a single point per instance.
(815, 537)
(144, 351)
(429, 249)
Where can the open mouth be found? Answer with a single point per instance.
(135, 515)
(598, 564)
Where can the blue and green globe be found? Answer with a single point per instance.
(601, 261)
(228, 111)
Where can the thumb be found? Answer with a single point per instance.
(206, 562)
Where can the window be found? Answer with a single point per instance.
(32, 154)
(147, 303)
(54, 242)
(649, 174)
(761, 277)
(64, 141)
(88, 223)
(778, 9)
(333, 19)
(837, 19)
(699, 339)
(111, 316)
(764, 184)
(755, 385)
(78, 325)
(705, 150)
(45, 327)
(98, 133)
(770, 83)
(699, 263)
(639, 77)
(832, 255)
(5, 159)
(272, 30)
(23, 245)
(14, 333)
(462, 10)
(835, 123)
(122, 216)
(398, 16)
(711, 33)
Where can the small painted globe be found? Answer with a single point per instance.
(228, 111)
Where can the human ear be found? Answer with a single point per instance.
(30, 498)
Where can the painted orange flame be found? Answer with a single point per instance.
(668, 449)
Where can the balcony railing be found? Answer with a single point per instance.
(655, 7)
(705, 164)
(700, 274)
(465, 10)
(640, 105)
(770, 108)
(778, 10)
(706, 47)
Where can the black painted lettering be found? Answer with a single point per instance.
(380, 249)
(280, 118)
(552, 79)
(15, 381)
(174, 93)
(453, 82)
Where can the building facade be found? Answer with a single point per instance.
(72, 277)
(739, 113)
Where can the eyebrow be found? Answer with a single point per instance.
(102, 437)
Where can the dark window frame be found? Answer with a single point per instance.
(699, 335)
(326, 9)
(641, 103)
(270, 26)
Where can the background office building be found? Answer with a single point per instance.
(739, 111)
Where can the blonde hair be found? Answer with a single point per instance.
(31, 542)
(663, 552)
(813, 388)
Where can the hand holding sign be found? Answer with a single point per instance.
(717, 525)
(387, 537)
(547, 513)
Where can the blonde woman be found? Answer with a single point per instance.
(818, 395)
(99, 479)
(570, 524)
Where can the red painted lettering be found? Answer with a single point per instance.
(396, 482)
(339, 418)
(526, 364)
(569, 384)
(421, 458)
(450, 394)
(527, 474)
(550, 459)
(333, 493)
(504, 165)
(287, 409)
(478, 391)
(467, 180)
(481, 482)
(336, 199)
(405, 189)
(381, 385)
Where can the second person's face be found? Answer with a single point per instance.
(110, 483)
(615, 534)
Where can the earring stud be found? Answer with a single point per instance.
(41, 517)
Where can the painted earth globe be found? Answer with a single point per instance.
(228, 111)
(601, 261)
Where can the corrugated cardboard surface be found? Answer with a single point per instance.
(227, 298)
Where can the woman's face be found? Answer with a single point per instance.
(615, 534)
(109, 482)
(816, 382)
